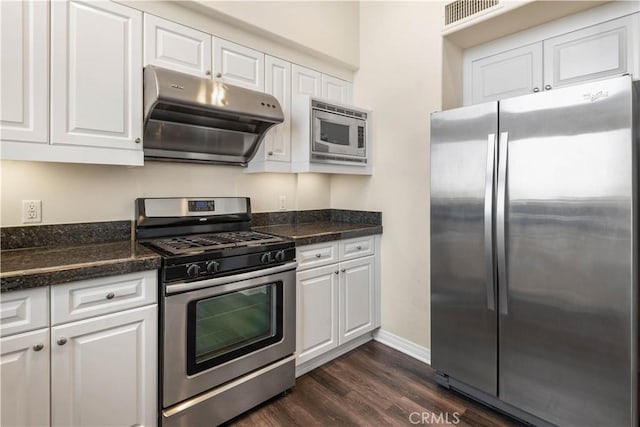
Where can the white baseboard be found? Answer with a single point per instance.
(407, 347)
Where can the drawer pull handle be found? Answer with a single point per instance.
(38, 347)
(111, 295)
(343, 270)
(359, 247)
(62, 341)
(318, 255)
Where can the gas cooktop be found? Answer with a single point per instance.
(197, 243)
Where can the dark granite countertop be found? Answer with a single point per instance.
(54, 254)
(324, 231)
(44, 266)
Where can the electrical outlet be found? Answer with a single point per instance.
(31, 211)
(282, 203)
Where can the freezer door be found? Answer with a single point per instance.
(463, 301)
(568, 304)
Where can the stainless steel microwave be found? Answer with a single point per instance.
(338, 134)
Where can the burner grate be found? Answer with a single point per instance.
(204, 242)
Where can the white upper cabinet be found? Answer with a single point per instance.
(24, 71)
(96, 75)
(336, 90)
(176, 47)
(599, 43)
(238, 65)
(277, 143)
(515, 72)
(306, 82)
(592, 53)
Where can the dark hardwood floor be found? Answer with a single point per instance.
(373, 385)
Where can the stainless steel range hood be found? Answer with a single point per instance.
(191, 119)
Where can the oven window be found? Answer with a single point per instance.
(227, 326)
(334, 133)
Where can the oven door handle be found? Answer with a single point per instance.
(192, 286)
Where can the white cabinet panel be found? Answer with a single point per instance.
(356, 248)
(176, 47)
(356, 298)
(336, 90)
(238, 65)
(515, 72)
(90, 298)
(317, 312)
(278, 83)
(594, 52)
(317, 255)
(24, 379)
(25, 310)
(24, 71)
(103, 370)
(96, 74)
(305, 82)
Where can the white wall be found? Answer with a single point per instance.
(400, 79)
(328, 27)
(78, 193)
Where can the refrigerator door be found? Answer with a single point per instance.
(463, 302)
(568, 305)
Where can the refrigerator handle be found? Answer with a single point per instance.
(500, 222)
(488, 221)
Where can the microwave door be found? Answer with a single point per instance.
(334, 134)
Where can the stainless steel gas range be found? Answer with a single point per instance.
(227, 314)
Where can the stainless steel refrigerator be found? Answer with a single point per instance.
(534, 253)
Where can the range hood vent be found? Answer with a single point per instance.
(192, 119)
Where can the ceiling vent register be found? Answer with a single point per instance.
(461, 9)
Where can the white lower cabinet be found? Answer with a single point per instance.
(103, 370)
(96, 364)
(337, 302)
(24, 375)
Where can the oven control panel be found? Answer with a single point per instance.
(223, 266)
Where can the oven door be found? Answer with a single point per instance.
(336, 134)
(220, 329)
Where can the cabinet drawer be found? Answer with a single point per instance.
(88, 298)
(356, 248)
(22, 311)
(316, 255)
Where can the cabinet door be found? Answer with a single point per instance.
(356, 298)
(24, 71)
(176, 47)
(96, 74)
(317, 312)
(278, 83)
(104, 369)
(515, 72)
(238, 65)
(594, 52)
(336, 90)
(24, 378)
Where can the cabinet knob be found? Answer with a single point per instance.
(219, 75)
(138, 140)
(38, 347)
(110, 295)
(61, 341)
(536, 90)
(343, 270)
(270, 153)
(318, 255)
(208, 72)
(337, 272)
(547, 87)
(359, 248)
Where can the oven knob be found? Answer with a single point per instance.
(265, 258)
(193, 270)
(213, 267)
(280, 256)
